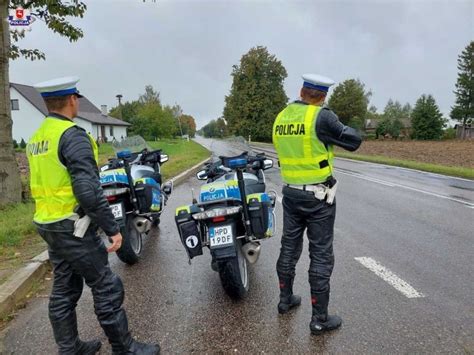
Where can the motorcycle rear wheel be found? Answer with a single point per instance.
(132, 243)
(234, 275)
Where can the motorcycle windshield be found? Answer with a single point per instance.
(134, 144)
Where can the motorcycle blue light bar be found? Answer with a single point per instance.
(124, 154)
(237, 163)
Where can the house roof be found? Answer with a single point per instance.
(87, 110)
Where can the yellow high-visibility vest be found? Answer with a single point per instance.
(50, 182)
(303, 158)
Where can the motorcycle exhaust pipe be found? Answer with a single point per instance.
(251, 251)
(142, 225)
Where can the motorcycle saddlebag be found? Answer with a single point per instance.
(188, 231)
(148, 195)
(261, 216)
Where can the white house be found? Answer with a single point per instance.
(28, 110)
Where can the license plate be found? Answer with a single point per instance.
(117, 210)
(219, 236)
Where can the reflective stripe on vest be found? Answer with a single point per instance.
(50, 182)
(300, 151)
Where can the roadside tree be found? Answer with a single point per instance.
(188, 125)
(463, 109)
(349, 101)
(215, 129)
(149, 118)
(56, 16)
(126, 111)
(427, 120)
(257, 95)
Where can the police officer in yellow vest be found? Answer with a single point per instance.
(304, 134)
(64, 182)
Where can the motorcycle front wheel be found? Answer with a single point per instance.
(234, 274)
(132, 243)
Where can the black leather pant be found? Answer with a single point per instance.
(76, 260)
(302, 211)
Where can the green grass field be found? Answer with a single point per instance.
(18, 238)
(467, 173)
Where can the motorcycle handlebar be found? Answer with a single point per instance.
(215, 169)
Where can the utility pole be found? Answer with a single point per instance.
(119, 98)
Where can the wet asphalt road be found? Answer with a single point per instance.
(420, 226)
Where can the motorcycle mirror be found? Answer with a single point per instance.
(201, 175)
(267, 164)
(164, 158)
(256, 165)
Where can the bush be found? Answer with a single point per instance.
(396, 128)
(15, 144)
(449, 133)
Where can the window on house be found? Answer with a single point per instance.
(111, 131)
(15, 105)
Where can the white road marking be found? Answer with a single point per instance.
(388, 276)
(378, 181)
(393, 184)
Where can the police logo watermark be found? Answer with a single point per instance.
(20, 19)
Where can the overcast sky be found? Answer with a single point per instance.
(186, 49)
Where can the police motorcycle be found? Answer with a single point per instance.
(233, 215)
(133, 186)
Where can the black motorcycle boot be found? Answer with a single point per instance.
(122, 342)
(321, 321)
(88, 347)
(67, 338)
(287, 299)
(65, 334)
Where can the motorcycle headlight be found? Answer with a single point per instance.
(217, 212)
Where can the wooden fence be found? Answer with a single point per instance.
(464, 132)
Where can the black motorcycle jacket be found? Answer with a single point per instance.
(331, 131)
(75, 152)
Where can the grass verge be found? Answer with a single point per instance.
(467, 173)
(18, 239)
